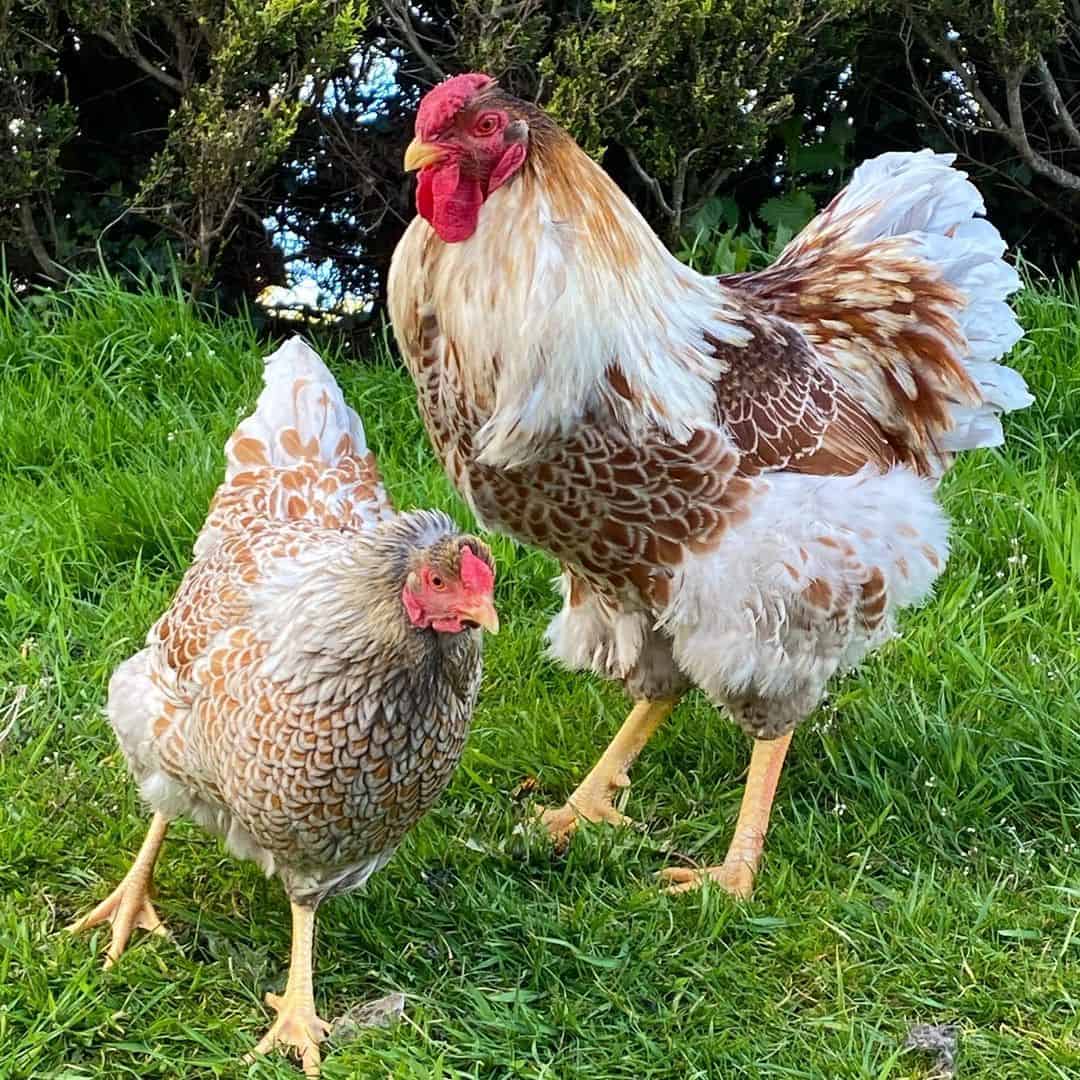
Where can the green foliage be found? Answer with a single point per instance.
(1009, 34)
(231, 129)
(237, 75)
(35, 119)
(922, 866)
(691, 89)
(790, 212)
(209, 118)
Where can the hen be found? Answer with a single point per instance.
(737, 474)
(308, 692)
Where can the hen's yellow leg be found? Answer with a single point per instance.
(128, 905)
(297, 1024)
(736, 873)
(592, 800)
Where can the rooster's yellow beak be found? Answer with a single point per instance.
(420, 154)
(484, 614)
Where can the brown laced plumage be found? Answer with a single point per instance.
(737, 474)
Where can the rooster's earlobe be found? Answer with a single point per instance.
(516, 132)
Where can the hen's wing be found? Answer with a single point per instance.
(301, 455)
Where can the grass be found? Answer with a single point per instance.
(923, 866)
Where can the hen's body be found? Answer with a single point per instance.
(737, 474)
(285, 700)
(264, 707)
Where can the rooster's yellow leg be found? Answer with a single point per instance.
(128, 905)
(297, 1024)
(592, 799)
(736, 874)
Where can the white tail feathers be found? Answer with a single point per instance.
(301, 415)
(920, 196)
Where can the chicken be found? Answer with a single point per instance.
(737, 475)
(307, 694)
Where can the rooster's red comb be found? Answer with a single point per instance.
(442, 103)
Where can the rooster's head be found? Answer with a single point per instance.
(471, 138)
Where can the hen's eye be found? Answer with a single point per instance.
(486, 125)
(437, 582)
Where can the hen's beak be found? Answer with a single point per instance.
(420, 154)
(483, 614)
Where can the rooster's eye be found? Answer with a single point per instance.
(487, 124)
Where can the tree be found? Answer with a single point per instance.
(674, 95)
(36, 121)
(234, 77)
(254, 141)
(1001, 86)
(241, 71)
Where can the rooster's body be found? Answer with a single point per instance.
(737, 474)
(288, 700)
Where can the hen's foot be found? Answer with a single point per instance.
(737, 879)
(297, 1027)
(128, 906)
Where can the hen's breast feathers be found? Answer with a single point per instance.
(278, 708)
(300, 456)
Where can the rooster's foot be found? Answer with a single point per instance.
(561, 822)
(735, 878)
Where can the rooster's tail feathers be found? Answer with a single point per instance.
(921, 197)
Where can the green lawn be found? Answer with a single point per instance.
(923, 866)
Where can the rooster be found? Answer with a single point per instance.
(308, 692)
(737, 474)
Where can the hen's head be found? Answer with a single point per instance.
(450, 587)
(471, 138)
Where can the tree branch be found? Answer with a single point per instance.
(140, 61)
(1013, 129)
(945, 52)
(678, 190)
(403, 20)
(1035, 160)
(948, 133)
(1057, 102)
(49, 267)
(650, 182)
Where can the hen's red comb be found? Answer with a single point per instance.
(442, 103)
(476, 575)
